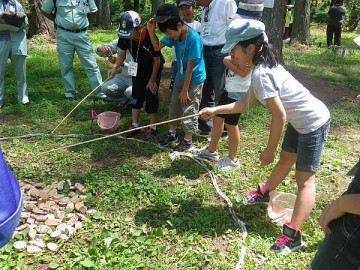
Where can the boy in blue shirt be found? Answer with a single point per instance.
(186, 96)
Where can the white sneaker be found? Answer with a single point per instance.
(226, 164)
(205, 153)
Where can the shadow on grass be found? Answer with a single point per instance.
(191, 216)
(184, 167)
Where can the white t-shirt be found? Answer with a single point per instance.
(305, 112)
(219, 15)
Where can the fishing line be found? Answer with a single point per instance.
(77, 105)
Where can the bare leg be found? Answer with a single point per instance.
(135, 115)
(218, 127)
(153, 117)
(305, 198)
(234, 140)
(281, 170)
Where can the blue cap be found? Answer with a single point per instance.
(11, 199)
(241, 29)
(127, 23)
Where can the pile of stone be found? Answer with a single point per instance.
(50, 215)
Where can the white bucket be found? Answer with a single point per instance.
(108, 120)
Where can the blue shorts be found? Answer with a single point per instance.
(308, 147)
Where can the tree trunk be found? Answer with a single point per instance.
(38, 24)
(103, 18)
(301, 25)
(274, 21)
(155, 4)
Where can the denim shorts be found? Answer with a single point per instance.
(340, 249)
(307, 146)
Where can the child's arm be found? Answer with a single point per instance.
(184, 94)
(158, 45)
(239, 106)
(231, 64)
(278, 119)
(119, 61)
(152, 82)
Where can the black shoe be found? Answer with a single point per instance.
(149, 133)
(256, 196)
(132, 133)
(289, 241)
(106, 99)
(183, 146)
(70, 98)
(26, 103)
(204, 126)
(169, 141)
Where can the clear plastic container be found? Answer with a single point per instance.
(281, 207)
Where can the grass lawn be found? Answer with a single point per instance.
(159, 213)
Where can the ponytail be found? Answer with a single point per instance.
(266, 54)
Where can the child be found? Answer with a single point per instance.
(237, 82)
(186, 96)
(145, 69)
(308, 123)
(186, 10)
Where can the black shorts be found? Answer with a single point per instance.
(140, 93)
(230, 119)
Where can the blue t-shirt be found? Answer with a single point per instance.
(189, 49)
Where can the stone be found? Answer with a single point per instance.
(32, 234)
(72, 220)
(78, 225)
(33, 249)
(80, 187)
(52, 246)
(43, 229)
(39, 185)
(38, 242)
(50, 216)
(34, 192)
(40, 236)
(64, 237)
(40, 218)
(22, 227)
(61, 227)
(72, 194)
(28, 206)
(57, 197)
(30, 220)
(70, 206)
(81, 216)
(56, 234)
(37, 211)
(19, 245)
(52, 192)
(25, 215)
(69, 230)
(52, 222)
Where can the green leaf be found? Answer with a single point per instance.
(53, 265)
(87, 263)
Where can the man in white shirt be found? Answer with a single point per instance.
(216, 15)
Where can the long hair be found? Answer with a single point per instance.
(265, 52)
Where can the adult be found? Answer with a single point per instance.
(72, 20)
(13, 21)
(119, 88)
(334, 23)
(216, 15)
